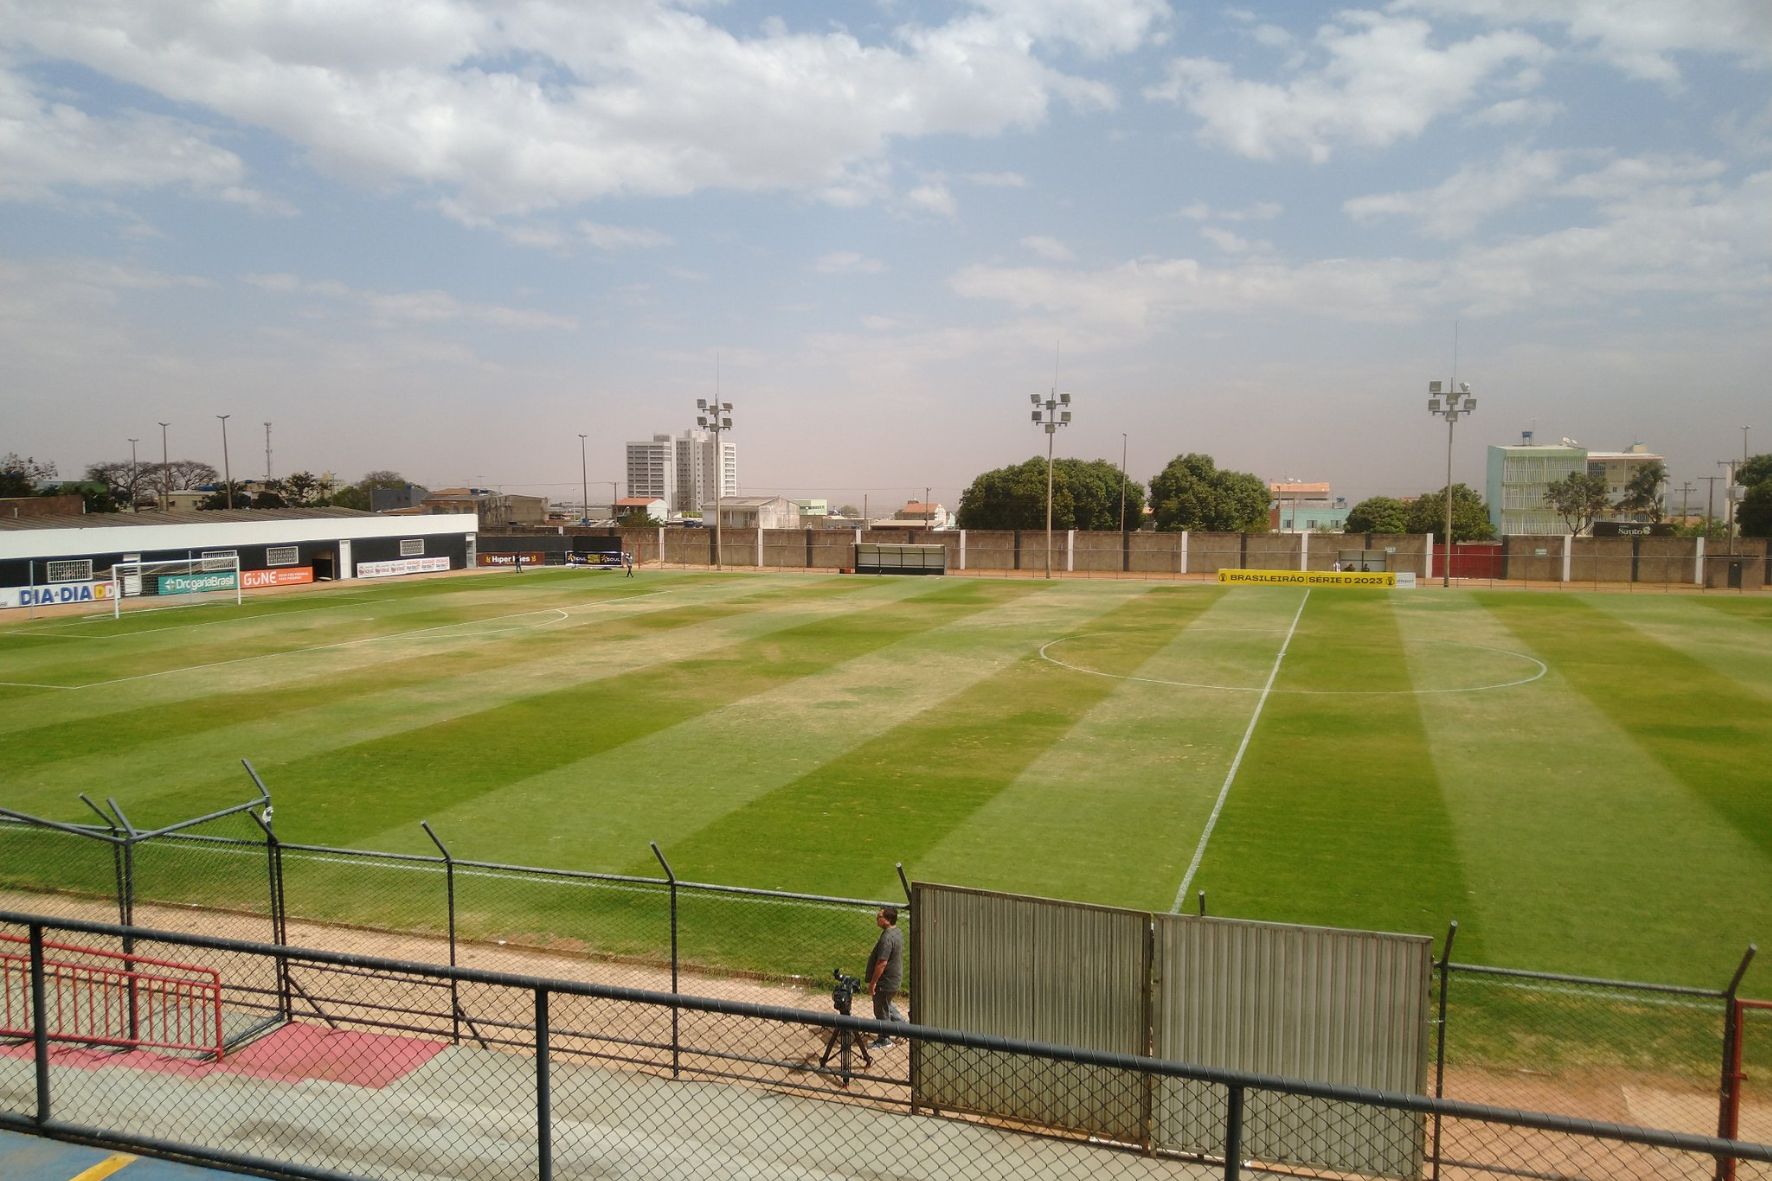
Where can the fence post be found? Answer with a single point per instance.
(1729, 1093)
(1233, 1133)
(1440, 1038)
(544, 1134)
(676, 1014)
(39, 1023)
(449, 892)
(279, 913)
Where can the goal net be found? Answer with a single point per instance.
(181, 582)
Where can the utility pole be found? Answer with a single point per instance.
(165, 471)
(1122, 484)
(267, 453)
(227, 473)
(928, 513)
(584, 485)
(1728, 466)
(132, 444)
(1710, 500)
(1685, 488)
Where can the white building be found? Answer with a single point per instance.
(707, 465)
(652, 471)
(1617, 467)
(1520, 473)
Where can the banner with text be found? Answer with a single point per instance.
(1308, 578)
(190, 584)
(401, 566)
(509, 559)
(54, 595)
(282, 576)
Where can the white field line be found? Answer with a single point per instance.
(1224, 792)
(154, 631)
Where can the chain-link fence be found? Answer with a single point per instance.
(1605, 1049)
(555, 1078)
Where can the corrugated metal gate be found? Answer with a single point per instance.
(1347, 1007)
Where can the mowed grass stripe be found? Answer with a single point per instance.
(1732, 637)
(665, 785)
(1116, 809)
(339, 794)
(1699, 725)
(468, 668)
(1582, 854)
(1336, 817)
(843, 824)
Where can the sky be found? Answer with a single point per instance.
(447, 238)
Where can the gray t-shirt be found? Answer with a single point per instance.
(890, 948)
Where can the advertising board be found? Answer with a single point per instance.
(401, 566)
(54, 595)
(507, 559)
(188, 584)
(282, 576)
(1308, 578)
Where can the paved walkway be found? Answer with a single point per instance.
(470, 1112)
(31, 1158)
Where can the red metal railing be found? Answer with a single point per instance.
(106, 998)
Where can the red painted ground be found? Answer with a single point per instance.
(291, 1053)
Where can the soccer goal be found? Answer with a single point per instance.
(182, 582)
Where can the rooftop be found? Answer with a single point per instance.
(174, 517)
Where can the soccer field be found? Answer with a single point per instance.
(1580, 780)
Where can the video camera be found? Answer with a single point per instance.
(843, 992)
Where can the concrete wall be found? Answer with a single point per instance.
(1663, 561)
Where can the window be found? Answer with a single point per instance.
(220, 559)
(282, 555)
(73, 570)
(412, 547)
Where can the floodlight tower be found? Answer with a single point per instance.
(227, 473)
(584, 486)
(1051, 415)
(716, 417)
(132, 444)
(1449, 404)
(165, 471)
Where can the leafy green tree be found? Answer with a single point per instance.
(95, 494)
(219, 498)
(1085, 495)
(305, 489)
(20, 477)
(1470, 516)
(1379, 514)
(1755, 471)
(639, 518)
(182, 474)
(357, 495)
(1642, 492)
(1191, 493)
(125, 483)
(1754, 514)
(1578, 498)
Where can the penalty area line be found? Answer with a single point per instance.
(1230, 777)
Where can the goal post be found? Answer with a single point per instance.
(177, 582)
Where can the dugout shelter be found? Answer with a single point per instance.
(273, 547)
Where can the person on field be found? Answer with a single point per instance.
(627, 560)
(886, 970)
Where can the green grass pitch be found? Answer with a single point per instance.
(1581, 780)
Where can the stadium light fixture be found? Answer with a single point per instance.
(1449, 401)
(716, 418)
(1051, 418)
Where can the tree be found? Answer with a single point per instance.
(1085, 495)
(638, 518)
(1755, 471)
(1470, 516)
(357, 495)
(182, 474)
(125, 483)
(1578, 498)
(1193, 494)
(1642, 492)
(1754, 514)
(20, 477)
(1379, 514)
(94, 494)
(218, 499)
(848, 510)
(305, 489)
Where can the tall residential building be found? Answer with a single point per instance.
(706, 462)
(1518, 476)
(652, 471)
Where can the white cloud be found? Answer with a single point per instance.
(605, 237)
(1048, 248)
(49, 148)
(1639, 37)
(411, 307)
(1463, 200)
(847, 262)
(1707, 243)
(998, 180)
(1260, 211)
(1380, 81)
(933, 197)
(1516, 112)
(645, 97)
(1233, 243)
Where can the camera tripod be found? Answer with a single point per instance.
(841, 1042)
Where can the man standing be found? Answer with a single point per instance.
(886, 970)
